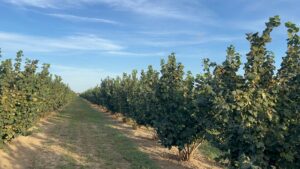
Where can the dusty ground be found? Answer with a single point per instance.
(78, 137)
(164, 157)
(82, 137)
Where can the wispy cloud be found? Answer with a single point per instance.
(137, 54)
(168, 33)
(192, 41)
(157, 8)
(82, 19)
(13, 41)
(34, 3)
(151, 8)
(79, 43)
(191, 10)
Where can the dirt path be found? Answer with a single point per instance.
(78, 137)
(164, 157)
(82, 137)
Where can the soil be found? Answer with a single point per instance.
(81, 138)
(143, 137)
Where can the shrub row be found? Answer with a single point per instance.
(251, 115)
(26, 95)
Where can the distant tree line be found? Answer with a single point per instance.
(26, 95)
(253, 117)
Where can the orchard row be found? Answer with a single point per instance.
(253, 116)
(27, 95)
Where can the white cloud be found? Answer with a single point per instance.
(67, 45)
(171, 32)
(13, 42)
(34, 3)
(192, 41)
(146, 7)
(135, 54)
(83, 19)
(180, 9)
(184, 10)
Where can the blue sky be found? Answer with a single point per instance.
(86, 40)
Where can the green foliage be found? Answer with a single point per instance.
(209, 151)
(170, 100)
(176, 120)
(284, 138)
(166, 103)
(250, 113)
(253, 118)
(147, 100)
(26, 95)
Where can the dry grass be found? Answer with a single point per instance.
(165, 158)
(82, 137)
(78, 137)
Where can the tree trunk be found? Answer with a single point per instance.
(187, 153)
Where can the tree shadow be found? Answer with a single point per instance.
(166, 158)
